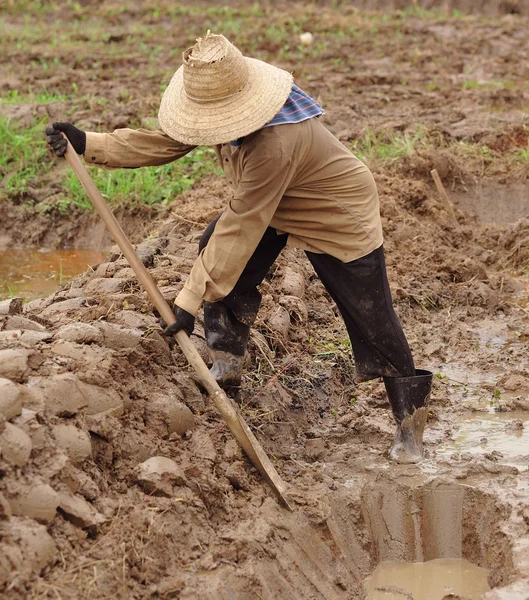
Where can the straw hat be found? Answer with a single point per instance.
(219, 95)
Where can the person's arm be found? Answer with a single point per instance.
(131, 148)
(239, 230)
(124, 148)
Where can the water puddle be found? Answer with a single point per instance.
(522, 296)
(480, 433)
(471, 382)
(494, 202)
(432, 580)
(37, 273)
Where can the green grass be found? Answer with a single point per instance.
(388, 147)
(333, 347)
(493, 84)
(523, 155)
(148, 185)
(42, 97)
(23, 155)
(24, 159)
(44, 39)
(424, 13)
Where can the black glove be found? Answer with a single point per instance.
(184, 320)
(57, 141)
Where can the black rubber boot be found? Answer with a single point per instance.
(226, 339)
(409, 397)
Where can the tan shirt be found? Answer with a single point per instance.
(297, 178)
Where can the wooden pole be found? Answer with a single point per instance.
(444, 196)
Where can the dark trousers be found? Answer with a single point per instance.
(360, 289)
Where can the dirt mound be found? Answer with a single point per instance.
(112, 456)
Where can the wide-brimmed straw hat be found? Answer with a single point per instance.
(218, 95)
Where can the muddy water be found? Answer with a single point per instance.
(35, 273)
(480, 433)
(432, 580)
(493, 202)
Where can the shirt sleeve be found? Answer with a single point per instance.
(131, 148)
(265, 178)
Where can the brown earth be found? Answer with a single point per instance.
(118, 478)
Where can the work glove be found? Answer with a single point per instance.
(57, 141)
(184, 320)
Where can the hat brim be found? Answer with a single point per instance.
(220, 121)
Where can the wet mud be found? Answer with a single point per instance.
(118, 478)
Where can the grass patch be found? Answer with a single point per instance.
(333, 346)
(388, 147)
(523, 155)
(42, 97)
(416, 11)
(132, 49)
(24, 159)
(23, 155)
(147, 185)
(493, 84)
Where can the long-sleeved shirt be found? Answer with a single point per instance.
(297, 178)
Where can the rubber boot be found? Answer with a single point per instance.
(409, 397)
(226, 368)
(226, 339)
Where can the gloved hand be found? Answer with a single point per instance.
(58, 143)
(184, 320)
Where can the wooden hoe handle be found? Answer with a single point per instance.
(231, 414)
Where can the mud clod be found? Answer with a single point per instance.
(118, 337)
(78, 481)
(74, 441)
(166, 415)
(159, 474)
(15, 445)
(80, 333)
(14, 364)
(514, 426)
(18, 322)
(10, 402)
(279, 323)
(315, 448)
(26, 549)
(81, 513)
(293, 283)
(105, 286)
(28, 338)
(38, 501)
(101, 400)
(12, 306)
(62, 394)
(61, 309)
(238, 477)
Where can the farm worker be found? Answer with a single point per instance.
(293, 184)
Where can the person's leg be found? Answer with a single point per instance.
(227, 322)
(361, 291)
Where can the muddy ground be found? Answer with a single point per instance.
(118, 478)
